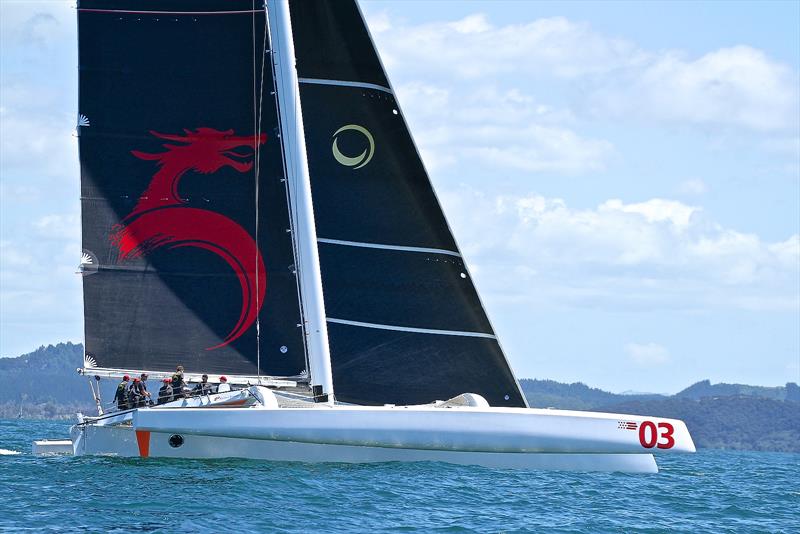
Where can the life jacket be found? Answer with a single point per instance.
(203, 388)
(165, 394)
(177, 381)
(122, 392)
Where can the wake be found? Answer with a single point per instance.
(6, 452)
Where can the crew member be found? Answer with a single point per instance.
(165, 393)
(146, 397)
(178, 383)
(121, 396)
(203, 388)
(134, 398)
(223, 385)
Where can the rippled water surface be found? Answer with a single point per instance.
(711, 491)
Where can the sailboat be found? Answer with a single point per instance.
(254, 206)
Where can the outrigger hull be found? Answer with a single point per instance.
(492, 437)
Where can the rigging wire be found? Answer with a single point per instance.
(255, 156)
(290, 187)
(258, 171)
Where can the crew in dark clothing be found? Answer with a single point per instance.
(165, 393)
(121, 396)
(143, 393)
(203, 388)
(178, 383)
(134, 398)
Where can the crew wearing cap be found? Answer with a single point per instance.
(134, 398)
(223, 385)
(121, 396)
(165, 393)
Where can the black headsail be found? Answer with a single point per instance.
(185, 218)
(405, 323)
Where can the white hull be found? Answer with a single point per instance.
(493, 437)
(121, 441)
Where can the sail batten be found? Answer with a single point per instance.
(415, 330)
(347, 83)
(387, 246)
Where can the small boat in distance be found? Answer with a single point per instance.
(253, 205)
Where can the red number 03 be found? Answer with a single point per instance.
(651, 436)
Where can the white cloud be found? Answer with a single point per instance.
(735, 86)
(497, 129)
(652, 254)
(730, 86)
(472, 47)
(647, 354)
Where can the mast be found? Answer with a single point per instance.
(299, 181)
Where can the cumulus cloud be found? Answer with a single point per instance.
(647, 354)
(730, 86)
(472, 47)
(652, 254)
(497, 129)
(734, 86)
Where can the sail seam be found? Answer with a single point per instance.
(388, 247)
(412, 329)
(346, 83)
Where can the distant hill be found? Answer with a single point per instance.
(579, 396)
(704, 389)
(576, 396)
(44, 384)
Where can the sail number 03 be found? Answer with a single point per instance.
(652, 435)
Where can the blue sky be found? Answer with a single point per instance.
(623, 178)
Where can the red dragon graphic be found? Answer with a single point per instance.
(162, 219)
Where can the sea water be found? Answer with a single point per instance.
(711, 491)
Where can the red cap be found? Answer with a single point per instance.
(167, 380)
(223, 379)
(126, 378)
(135, 379)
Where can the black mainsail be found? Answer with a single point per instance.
(187, 254)
(405, 324)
